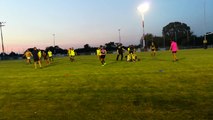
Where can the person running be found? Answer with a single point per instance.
(71, 54)
(205, 44)
(50, 55)
(174, 49)
(36, 58)
(153, 49)
(103, 55)
(28, 56)
(120, 51)
(39, 55)
(45, 56)
(98, 53)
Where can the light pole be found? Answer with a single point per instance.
(204, 13)
(54, 43)
(53, 40)
(142, 9)
(2, 41)
(119, 35)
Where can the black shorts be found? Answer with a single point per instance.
(130, 52)
(174, 51)
(45, 58)
(121, 53)
(103, 56)
(36, 59)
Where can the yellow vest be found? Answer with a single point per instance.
(71, 52)
(98, 52)
(50, 54)
(39, 54)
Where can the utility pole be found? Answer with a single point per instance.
(2, 40)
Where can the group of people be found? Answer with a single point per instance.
(173, 48)
(131, 53)
(131, 56)
(101, 53)
(37, 56)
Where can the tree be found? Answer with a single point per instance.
(148, 39)
(56, 50)
(177, 31)
(86, 46)
(12, 54)
(111, 46)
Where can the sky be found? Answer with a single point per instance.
(30, 23)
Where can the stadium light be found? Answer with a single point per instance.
(2, 41)
(53, 40)
(54, 43)
(119, 35)
(142, 9)
(204, 17)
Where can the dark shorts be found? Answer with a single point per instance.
(174, 51)
(130, 52)
(153, 49)
(45, 58)
(103, 56)
(36, 59)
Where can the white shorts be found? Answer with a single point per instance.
(28, 58)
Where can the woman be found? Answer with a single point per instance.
(174, 49)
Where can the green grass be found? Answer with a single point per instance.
(150, 89)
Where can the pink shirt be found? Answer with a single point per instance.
(174, 46)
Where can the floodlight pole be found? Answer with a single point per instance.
(143, 39)
(53, 40)
(119, 35)
(142, 42)
(204, 10)
(2, 40)
(54, 43)
(142, 9)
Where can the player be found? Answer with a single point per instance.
(205, 44)
(131, 57)
(39, 55)
(36, 58)
(120, 51)
(98, 53)
(71, 54)
(174, 49)
(28, 56)
(153, 49)
(50, 55)
(103, 55)
(45, 56)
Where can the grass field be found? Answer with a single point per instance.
(150, 89)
